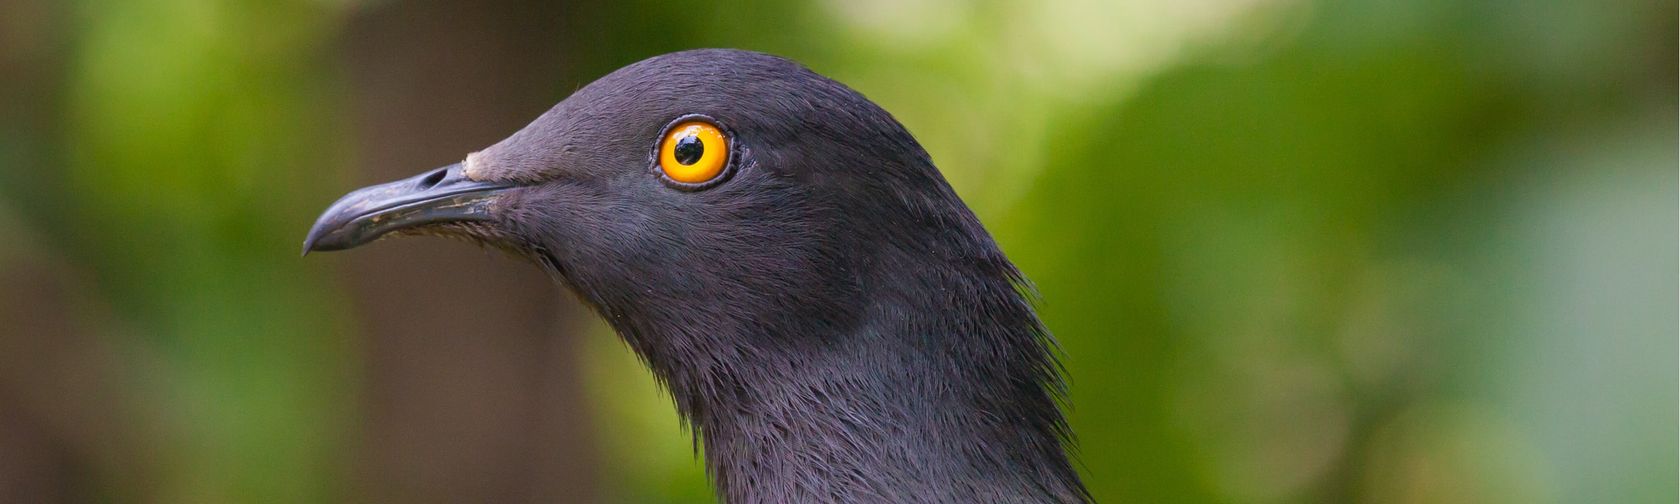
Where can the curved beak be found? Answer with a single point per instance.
(438, 196)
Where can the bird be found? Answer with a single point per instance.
(831, 320)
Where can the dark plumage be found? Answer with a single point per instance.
(829, 316)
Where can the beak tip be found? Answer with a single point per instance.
(322, 239)
(311, 242)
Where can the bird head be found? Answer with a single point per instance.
(720, 191)
(790, 263)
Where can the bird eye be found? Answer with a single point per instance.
(693, 152)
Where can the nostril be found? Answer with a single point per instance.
(433, 178)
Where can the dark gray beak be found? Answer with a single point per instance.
(438, 196)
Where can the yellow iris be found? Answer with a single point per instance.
(694, 152)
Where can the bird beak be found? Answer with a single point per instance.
(435, 197)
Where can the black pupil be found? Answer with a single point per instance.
(689, 149)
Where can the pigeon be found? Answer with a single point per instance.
(831, 320)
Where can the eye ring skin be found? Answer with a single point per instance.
(729, 162)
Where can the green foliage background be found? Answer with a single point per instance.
(1295, 250)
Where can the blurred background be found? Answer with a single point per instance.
(1295, 250)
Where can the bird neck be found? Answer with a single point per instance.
(942, 389)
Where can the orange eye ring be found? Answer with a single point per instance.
(693, 152)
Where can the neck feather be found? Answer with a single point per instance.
(943, 389)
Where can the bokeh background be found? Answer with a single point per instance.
(1296, 250)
